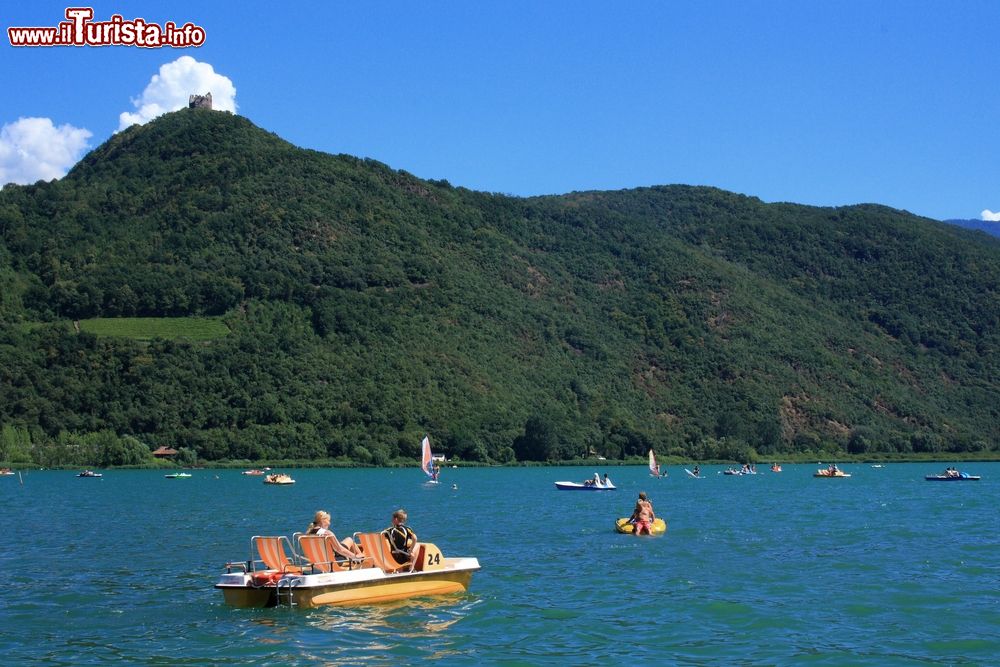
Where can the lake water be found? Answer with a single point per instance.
(774, 569)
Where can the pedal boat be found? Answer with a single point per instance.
(374, 580)
(824, 472)
(576, 486)
(279, 478)
(622, 525)
(960, 477)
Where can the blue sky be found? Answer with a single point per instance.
(818, 103)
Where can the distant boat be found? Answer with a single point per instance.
(654, 467)
(961, 477)
(89, 473)
(595, 484)
(178, 475)
(575, 486)
(6, 471)
(952, 475)
(279, 478)
(427, 461)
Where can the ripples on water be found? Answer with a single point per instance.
(879, 569)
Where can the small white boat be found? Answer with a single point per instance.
(178, 475)
(90, 473)
(595, 484)
(279, 478)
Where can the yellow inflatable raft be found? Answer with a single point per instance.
(623, 526)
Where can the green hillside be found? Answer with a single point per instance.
(366, 307)
(148, 328)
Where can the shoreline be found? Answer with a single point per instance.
(991, 457)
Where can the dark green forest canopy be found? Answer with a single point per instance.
(367, 307)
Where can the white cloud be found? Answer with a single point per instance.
(33, 149)
(169, 91)
(990, 216)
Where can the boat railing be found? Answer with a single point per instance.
(243, 566)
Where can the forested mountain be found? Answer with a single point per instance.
(367, 306)
(991, 228)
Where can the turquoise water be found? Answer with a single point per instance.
(775, 569)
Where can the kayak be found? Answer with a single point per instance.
(623, 526)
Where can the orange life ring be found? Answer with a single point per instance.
(267, 578)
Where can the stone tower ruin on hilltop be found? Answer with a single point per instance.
(200, 101)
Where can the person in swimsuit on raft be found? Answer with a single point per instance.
(643, 516)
